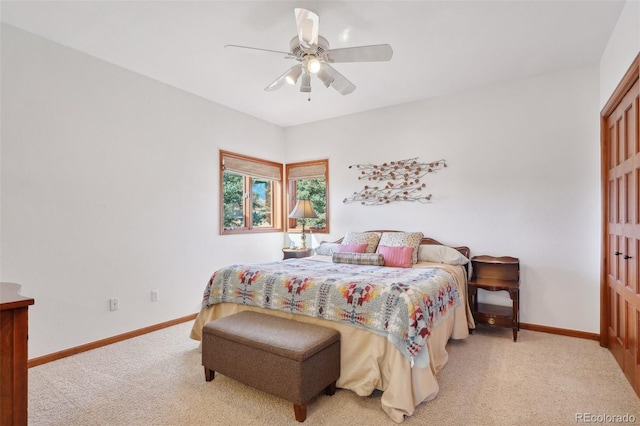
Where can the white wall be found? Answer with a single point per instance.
(110, 189)
(109, 185)
(621, 50)
(523, 180)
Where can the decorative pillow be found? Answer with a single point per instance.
(403, 239)
(327, 249)
(399, 257)
(352, 248)
(370, 238)
(441, 254)
(371, 259)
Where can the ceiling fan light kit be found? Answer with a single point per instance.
(293, 75)
(305, 84)
(313, 53)
(312, 64)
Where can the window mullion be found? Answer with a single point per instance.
(247, 201)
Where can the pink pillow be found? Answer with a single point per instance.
(399, 256)
(352, 248)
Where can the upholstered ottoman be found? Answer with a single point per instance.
(286, 358)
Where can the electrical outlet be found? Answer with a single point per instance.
(113, 304)
(155, 295)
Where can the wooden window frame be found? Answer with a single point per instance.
(276, 195)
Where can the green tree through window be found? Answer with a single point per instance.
(233, 203)
(261, 202)
(309, 180)
(315, 191)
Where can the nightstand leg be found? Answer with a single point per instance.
(471, 291)
(515, 298)
(518, 311)
(472, 296)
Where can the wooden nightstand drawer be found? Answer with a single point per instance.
(497, 315)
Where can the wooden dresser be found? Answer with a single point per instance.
(13, 354)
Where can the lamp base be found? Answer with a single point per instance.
(303, 239)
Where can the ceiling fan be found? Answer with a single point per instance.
(315, 56)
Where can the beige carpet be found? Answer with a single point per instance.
(157, 379)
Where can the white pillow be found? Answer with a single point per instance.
(327, 249)
(441, 254)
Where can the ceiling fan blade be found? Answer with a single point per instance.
(307, 23)
(339, 82)
(257, 48)
(373, 53)
(290, 76)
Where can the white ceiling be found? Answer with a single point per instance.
(440, 47)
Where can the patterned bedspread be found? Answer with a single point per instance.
(403, 304)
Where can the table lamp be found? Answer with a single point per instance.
(303, 210)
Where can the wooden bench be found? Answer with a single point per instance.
(286, 358)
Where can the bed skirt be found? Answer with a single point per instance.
(369, 361)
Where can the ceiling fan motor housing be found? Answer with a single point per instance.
(296, 49)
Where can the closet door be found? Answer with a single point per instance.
(621, 149)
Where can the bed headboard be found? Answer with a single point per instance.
(425, 241)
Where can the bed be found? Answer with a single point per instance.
(394, 321)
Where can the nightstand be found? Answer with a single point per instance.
(496, 274)
(296, 253)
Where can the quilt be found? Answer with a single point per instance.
(403, 304)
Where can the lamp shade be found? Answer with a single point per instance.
(303, 210)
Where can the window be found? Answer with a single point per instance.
(310, 180)
(251, 194)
